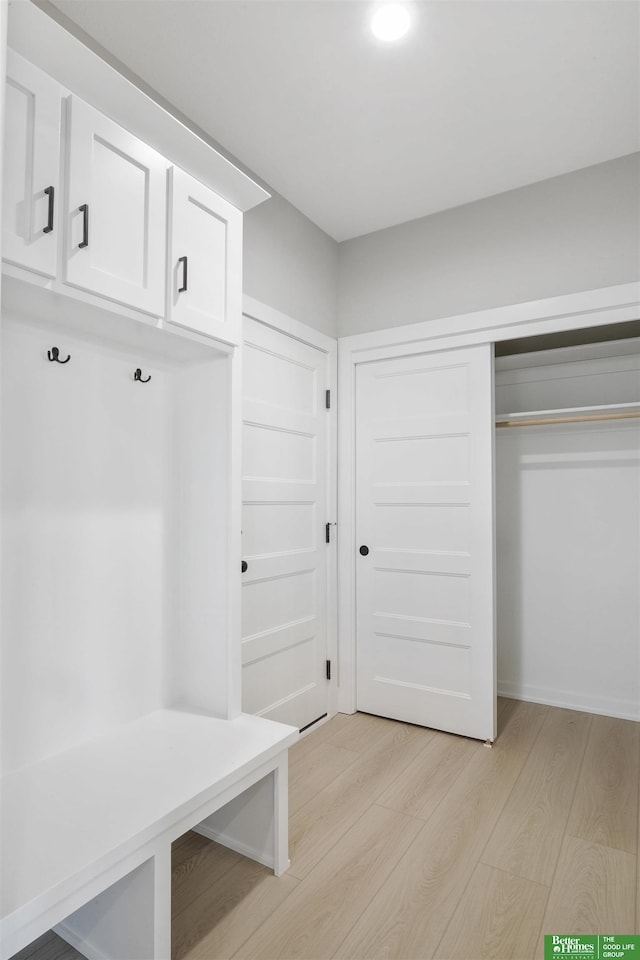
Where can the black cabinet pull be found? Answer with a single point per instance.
(84, 210)
(245, 566)
(364, 550)
(49, 192)
(183, 261)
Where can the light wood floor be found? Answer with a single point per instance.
(411, 844)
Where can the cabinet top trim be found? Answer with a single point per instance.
(43, 41)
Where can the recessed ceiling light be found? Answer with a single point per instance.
(390, 22)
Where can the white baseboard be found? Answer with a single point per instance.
(569, 700)
(85, 947)
(233, 844)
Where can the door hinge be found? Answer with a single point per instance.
(327, 399)
(327, 533)
(328, 669)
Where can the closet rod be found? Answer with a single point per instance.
(576, 418)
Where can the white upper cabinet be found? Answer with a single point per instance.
(116, 226)
(92, 211)
(204, 275)
(31, 167)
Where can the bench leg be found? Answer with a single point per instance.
(281, 817)
(255, 823)
(162, 904)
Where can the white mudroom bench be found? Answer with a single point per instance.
(87, 833)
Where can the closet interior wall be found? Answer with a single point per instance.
(568, 531)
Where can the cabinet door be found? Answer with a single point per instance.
(205, 260)
(116, 226)
(31, 167)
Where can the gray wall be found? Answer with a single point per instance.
(290, 264)
(576, 232)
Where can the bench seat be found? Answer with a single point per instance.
(96, 823)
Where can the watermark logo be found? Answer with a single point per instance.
(593, 947)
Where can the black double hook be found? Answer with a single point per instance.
(54, 356)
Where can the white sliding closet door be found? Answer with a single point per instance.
(424, 528)
(284, 512)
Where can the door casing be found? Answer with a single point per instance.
(592, 308)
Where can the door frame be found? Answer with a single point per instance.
(591, 308)
(273, 318)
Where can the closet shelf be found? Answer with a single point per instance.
(536, 418)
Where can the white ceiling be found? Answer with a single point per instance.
(481, 97)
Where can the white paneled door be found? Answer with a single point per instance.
(424, 550)
(284, 512)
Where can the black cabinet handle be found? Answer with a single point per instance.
(84, 210)
(183, 261)
(245, 566)
(364, 550)
(49, 192)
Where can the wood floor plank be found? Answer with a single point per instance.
(315, 771)
(199, 862)
(606, 801)
(217, 923)
(34, 947)
(319, 913)
(528, 835)
(185, 847)
(317, 735)
(504, 704)
(60, 950)
(506, 709)
(321, 822)
(49, 947)
(46, 945)
(520, 726)
(418, 790)
(593, 891)
(498, 918)
(408, 916)
(361, 732)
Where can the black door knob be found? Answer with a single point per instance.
(245, 566)
(364, 550)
